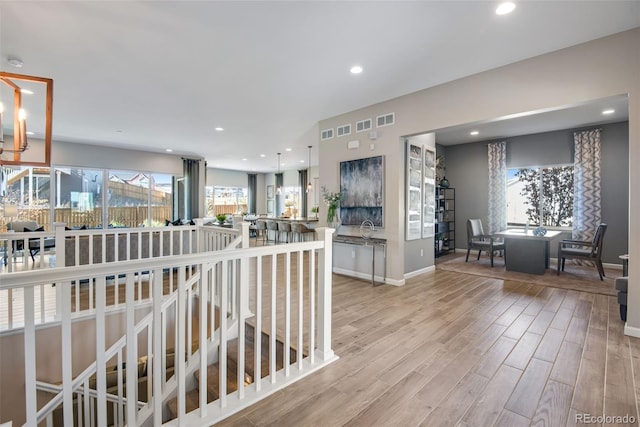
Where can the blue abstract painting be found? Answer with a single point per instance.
(362, 187)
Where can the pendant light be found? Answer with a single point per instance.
(278, 189)
(309, 171)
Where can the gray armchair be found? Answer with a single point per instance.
(578, 249)
(476, 239)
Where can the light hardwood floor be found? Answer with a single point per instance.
(453, 349)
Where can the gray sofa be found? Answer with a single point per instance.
(622, 284)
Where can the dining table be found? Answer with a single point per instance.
(526, 251)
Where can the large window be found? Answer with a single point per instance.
(138, 199)
(226, 200)
(540, 196)
(78, 195)
(28, 190)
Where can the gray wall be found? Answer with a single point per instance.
(467, 171)
(97, 156)
(598, 69)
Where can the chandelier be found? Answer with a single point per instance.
(14, 113)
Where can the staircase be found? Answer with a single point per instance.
(192, 397)
(283, 288)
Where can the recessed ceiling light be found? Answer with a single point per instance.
(168, 150)
(244, 159)
(119, 131)
(287, 149)
(301, 161)
(474, 132)
(26, 91)
(30, 133)
(219, 129)
(356, 69)
(609, 111)
(263, 155)
(505, 8)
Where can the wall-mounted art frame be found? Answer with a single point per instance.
(429, 192)
(269, 191)
(362, 188)
(270, 206)
(414, 181)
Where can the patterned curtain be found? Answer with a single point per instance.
(497, 220)
(586, 184)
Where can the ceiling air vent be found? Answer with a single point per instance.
(343, 130)
(386, 120)
(326, 134)
(363, 125)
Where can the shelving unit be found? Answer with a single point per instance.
(445, 221)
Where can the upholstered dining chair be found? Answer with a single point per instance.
(272, 226)
(476, 239)
(261, 230)
(588, 250)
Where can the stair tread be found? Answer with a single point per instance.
(213, 373)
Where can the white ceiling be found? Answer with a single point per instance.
(163, 74)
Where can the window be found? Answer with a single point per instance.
(135, 197)
(543, 196)
(78, 197)
(226, 200)
(29, 190)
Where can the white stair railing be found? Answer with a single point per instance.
(284, 289)
(91, 247)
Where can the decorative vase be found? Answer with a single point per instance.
(444, 182)
(333, 216)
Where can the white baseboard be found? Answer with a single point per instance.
(367, 277)
(419, 272)
(631, 331)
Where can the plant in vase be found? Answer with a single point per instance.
(221, 218)
(332, 200)
(315, 210)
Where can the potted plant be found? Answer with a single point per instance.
(315, 210)
(221, 218)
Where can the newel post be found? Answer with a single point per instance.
(325, 265)
(199, 234)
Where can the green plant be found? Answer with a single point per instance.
(332, 200)
(221, 218)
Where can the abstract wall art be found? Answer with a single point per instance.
(362, 187)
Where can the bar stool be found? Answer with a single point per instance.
(272, 226)
(284, 227)
(261, 230)
(300, 230)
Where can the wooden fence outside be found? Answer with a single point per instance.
(130, 216)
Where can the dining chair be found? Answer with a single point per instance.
(261, 230)
(581, 249)
(272, 226)
(476, 239)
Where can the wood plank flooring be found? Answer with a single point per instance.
(451, 349)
